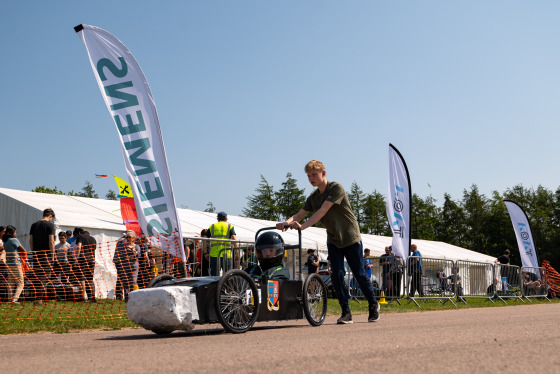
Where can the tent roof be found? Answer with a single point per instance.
(100, 214)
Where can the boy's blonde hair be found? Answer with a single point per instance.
(314, 165)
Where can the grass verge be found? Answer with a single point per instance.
(361, 306)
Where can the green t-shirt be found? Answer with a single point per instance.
(340, 222)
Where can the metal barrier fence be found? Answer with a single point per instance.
(386, 276)
(475, 280)
(427, 276)
(507, 283)
(534, 280)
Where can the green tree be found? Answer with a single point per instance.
(357, 198)
(290, 198)
(262, 204)
(44, 189)
(375, 215)
(498, 227)
(111, 195)
(475, 206)
(88, 191)
(424, 218)
(451, 224)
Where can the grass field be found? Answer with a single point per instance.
(60, 317)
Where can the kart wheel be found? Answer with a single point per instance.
(162, 332)
(315, 300)
(237, 303)
(159, 279)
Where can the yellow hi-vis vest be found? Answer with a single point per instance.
(220, 230)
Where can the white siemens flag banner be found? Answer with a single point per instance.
(129, 100)
(527, 250)
(399, 203)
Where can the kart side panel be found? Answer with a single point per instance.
(288, 304)
(206, 302)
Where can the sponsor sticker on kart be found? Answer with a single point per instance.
(273, 302)
(250, 300)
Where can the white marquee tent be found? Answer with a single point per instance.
(103, 220)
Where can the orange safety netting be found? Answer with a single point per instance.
(553, 278)
(91, 282)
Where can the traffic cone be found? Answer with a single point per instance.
(382, 299)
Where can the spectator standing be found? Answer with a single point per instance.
(61, 265)
(331, 206)
(221, 230)
(85, 254)
(415, 266)
(41, 243)
(4, 290)
(145, 261)
(248, 258)
(118, 259)
(312, 262)
(505, 261)
(13, 250)
(130, 263)
(205, 259)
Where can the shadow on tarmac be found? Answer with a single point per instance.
(195, 332)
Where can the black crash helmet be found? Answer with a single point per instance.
(270, 249)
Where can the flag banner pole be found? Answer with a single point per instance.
(129, 100)
(399, 203)
(524, 235)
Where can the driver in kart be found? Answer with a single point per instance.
(270, 252)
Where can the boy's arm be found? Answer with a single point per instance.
(295, 218)
(316, 217)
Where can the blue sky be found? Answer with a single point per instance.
(467, 91)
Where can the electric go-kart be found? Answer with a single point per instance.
(236, 299)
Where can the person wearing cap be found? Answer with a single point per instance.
(221, 230)
(312, 262)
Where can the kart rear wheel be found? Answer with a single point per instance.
(237, 302)
(159, 279)
(315, 300)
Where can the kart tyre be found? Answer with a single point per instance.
(236, 308)
(159, 279)
(315, 300)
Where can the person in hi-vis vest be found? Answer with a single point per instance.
(221, 230)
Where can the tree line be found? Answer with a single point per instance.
(87, 191)
(475, 221)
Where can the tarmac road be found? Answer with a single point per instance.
(480, 340)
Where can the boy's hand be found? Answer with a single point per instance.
(295, 225)
(281, 226)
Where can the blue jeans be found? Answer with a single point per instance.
(214, 271)
(354, 256)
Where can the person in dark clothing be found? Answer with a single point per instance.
(205, 255)
(312, 262)
(85, 255)
(504, 261)
(121, 274)
(415, 263)
(41, 243)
